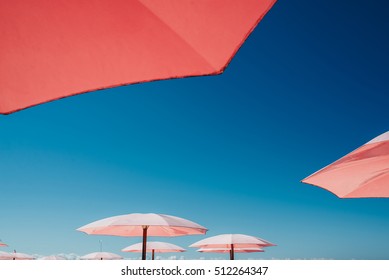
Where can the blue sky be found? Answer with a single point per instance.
(228, 152)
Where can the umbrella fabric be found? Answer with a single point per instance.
(361, 173)
(154, 247)
(231, 242)
(5, 256)
(158, 247)
(138, 224)
(52, 50)
(21, 256)
(54, 257)
(132, 225)
(3, 244)
(226, 240)
(101, 256)
(237, 250)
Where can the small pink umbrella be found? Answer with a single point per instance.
(5, 256)
(21, 256)
(143, 225)
(361, 173)
(231, 242)
(3, 244)
(54, 257)
(154, 247)
(54, 49)
(101, 256)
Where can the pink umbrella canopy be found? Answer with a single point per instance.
(154, 247)
(5, 256)
(138, 224)
(230, 251)
(361, 173)
(54, 257)
(101, 256)
(21, 256)
(52, 50)
(231, 242)
(3, 244)
(226, 250)
(227, 240)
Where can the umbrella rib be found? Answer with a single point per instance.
(371, 179)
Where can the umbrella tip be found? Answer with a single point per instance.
(382, 137)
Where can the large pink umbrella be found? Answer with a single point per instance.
(54, 49)
(231, 242)
(143, 225)
(154, 247)
(361, 173)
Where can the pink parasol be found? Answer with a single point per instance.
(231, 242)
(21, 256)
(228, 251)
(101, 256)
(54, 257)
(54, 49)
(154, 247)
(361, 173)
(143, 225)
(5, 256)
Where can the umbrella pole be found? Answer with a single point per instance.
(144, 242)
(152, 254)
(232, 252)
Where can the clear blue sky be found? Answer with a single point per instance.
(228, 152)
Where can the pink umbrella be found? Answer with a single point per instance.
(143, 225)
(50, 50)
(361, 173)
(21, 256)
(5, 256)
(228, 251)
(101, 256)
(54, 257)
(231, 242)
(3, 244)
(154, 247)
